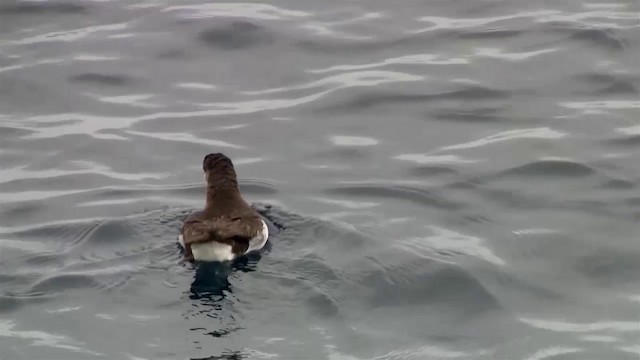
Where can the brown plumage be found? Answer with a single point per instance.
(226, 217)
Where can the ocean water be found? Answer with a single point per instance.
(448, 179)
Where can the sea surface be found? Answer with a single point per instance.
(449, 180)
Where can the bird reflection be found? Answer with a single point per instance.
(230, 355)
(211, 280)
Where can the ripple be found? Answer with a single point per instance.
(603, 104)
(107, 234)
(197, 86)
(430, 283)
(516, 56)
(364, 100)
(552, 352)
(59, 236)
(243, 10)
(69, 35)
(535, 133)
(424, 159)
(588, 327)
(348, 204)
(85, 168)
(440, 22)
(135, 100)
(417, 59)
(42, 338)
(342, 140)
(423, 197)
(345, 80)
(185, 137)
(449, 242)
(550, 168)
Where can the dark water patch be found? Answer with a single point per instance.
(103, 79)
(549, 168)
(110, 234)
(11, 281)
(468, 115)
(42, 8)
(62, 282)
(606, 38)
(319, 294)
(322, 305)
(343, 154)
(14, 158)
(432, 170)
(173, 54)
(43, 260)
(511, 199)
(632, 201)
(236, 35)
(429, 283)
(607, 84)
(423, 197)
(485, 34)
(11, 213)
(7, 132)
(8, 304)
(624, 141)
(618, 184)
(610, 267)
(313, 268)
(471, 93)
(513, 287)
(380, 99)
(315, 295)
(613, 89)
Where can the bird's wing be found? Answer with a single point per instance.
(238, 228)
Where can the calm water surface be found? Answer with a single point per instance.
(450, 179)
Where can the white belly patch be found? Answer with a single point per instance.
(215, 251)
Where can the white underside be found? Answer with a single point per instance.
(215, 251)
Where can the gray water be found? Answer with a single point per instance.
(450, 179)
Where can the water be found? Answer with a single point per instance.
(453, 180)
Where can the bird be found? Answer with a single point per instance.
(227, 227)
